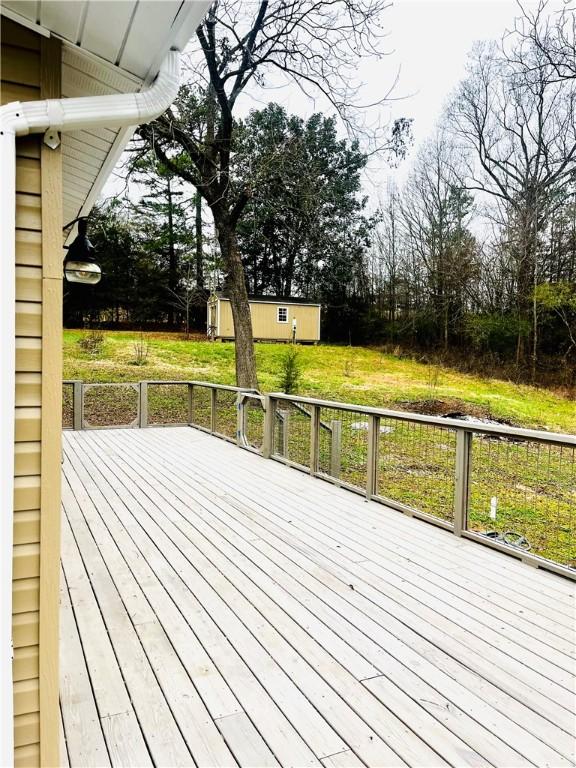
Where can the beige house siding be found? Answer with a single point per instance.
(31, 70)
(265, 324)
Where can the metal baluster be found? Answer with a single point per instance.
(335, 447)
(190, 404)
(269, 426)
(240, 420)
(213, 407)
(314, 439)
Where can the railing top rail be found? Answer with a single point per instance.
(503, 430)
(208, 384)
(223, 386)
(134, 384)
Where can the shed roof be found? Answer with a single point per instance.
(263, 299)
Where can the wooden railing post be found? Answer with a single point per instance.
(269, 426)
(143, 405)
(372, 458)
(78, 405)
(190, 403)
(213, 407)
(335, 447)
(314, 438)
(461, 480)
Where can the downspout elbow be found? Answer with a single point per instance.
(154, 101)
(113, 111)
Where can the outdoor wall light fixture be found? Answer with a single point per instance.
(82, 272)
(79, 264)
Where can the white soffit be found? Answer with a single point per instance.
(110, 46)
(131, 34)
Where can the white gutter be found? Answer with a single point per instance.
(20, 119)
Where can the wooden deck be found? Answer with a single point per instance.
(220, 609)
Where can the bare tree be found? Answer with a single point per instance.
(436, 210)
(387, 259)
(317, 45)
(551, 35)
(188, 294)
(518, 123)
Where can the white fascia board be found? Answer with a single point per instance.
(187, 20)
(24, 21)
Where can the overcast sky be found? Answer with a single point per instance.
(429, 41)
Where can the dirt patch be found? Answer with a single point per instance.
(447, 407)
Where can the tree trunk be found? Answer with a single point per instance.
(199, 242)
(235, 287)
(289, 273)
(527, 274)
(534, 360)
(172, 259)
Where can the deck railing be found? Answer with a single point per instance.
(210, 407)
(511, 489)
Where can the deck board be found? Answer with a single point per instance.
(445, 554)
(227, 610)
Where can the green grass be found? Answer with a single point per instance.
(357, 375)
(535, 485)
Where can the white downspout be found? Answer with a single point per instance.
(7, 394)
(19, 119)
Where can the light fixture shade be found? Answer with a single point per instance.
(82, 272)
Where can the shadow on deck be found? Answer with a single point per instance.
(218, 609)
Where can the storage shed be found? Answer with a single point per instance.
(273, 319)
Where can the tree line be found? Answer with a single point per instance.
(476, 251)
(479, 248)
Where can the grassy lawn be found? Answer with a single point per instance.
(350, 374)
(533, 486)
